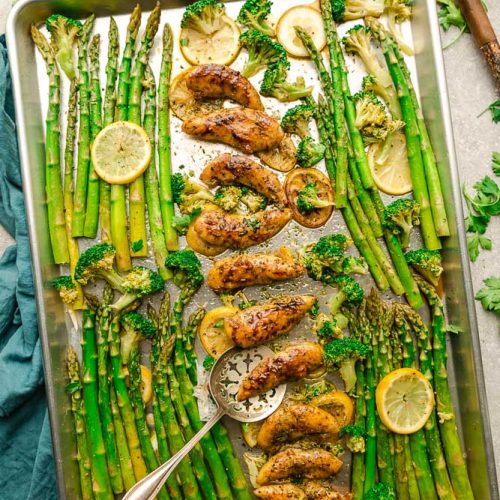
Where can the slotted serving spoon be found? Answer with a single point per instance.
(225, 378)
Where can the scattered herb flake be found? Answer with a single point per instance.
(494, 109)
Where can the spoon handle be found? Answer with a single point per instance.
(148, 488)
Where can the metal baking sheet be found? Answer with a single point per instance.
(56, 330)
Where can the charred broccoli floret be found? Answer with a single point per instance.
(296, 120)
(342, 355)
(427, 263)
(355, 437)
(262, 52)
(400, 216)
(67, 289)
(349, 293)
(347, 10)
(187, 270)
(380, 492)
(134, 329)
(252, 200)
(275, 84)
(326, 328)
(63, 34)
(253, 15)
(189, 195)
(203, 16)
(309, 152)
(228, 197)
(308, 199)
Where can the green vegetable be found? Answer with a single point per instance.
(399, 11)
(253, 223)
(189, 195)
(181, 223)
(186, 268)
(208, 362)
(495, 162)
(203, 16)
(399, 218)
(349, 293)
(490, 294)
(326, 329)
(494, 109)
(228, 197)
(67, 289)
(262, 52)
(308, 199)
(275, 84)
(380, 492)
(347, 10)
(355, 437)
(427, 263)
(254, 13)
(309, 153)
(135, 328)
(450, 15)
(297, 119)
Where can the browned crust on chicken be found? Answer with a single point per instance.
(263, 322)
(293, 363)
(285, 491)
(237, 231)
(290, 423)
(216, 81)
(253, 269)
(246, 129)
(316, 490)
(231, 169)
(314, 463)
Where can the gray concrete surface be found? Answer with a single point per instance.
(471, 91)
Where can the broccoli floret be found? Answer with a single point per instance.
(342, 355)
(308, 199)
(309, 153)
(355, 437)
(380, 492)
(63, 34)
(398, 11)
(326, 328)
(181, 223)
(208, 363)
(349, 293)
(134, 329)
(228, 197)
(187, 270)
(252, 200)
(274, 84)
(253, 15)
(262, 52)
(140, 281)
(354, 265)
(347, 10)
(296, 120)
(189, 195)
(67, 289)
(427, 263)
(400, 216)
(203, 16)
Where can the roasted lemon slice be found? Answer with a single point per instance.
(309, 19)
(121, 152)
(338, 404)
(405, 400)
(220, 47)
(211, 331)
(249, 432)
(146, 384)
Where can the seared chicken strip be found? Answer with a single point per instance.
(293, 363)
(216, 81)
(258, 324)
(315, 463)
(238, 169)
(237, 231)
(285, 491)
(257, 269)
(290, 423)
(246, 129)
(316, 490)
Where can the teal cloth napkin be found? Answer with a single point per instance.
(26, 461)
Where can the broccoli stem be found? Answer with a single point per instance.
(164, 142)
(108, 118)
(69, 156)
(78, 412)
(83, 163)
(151, 180)
(118, 201)
(455, 462)
(53, 185)
(137, 202)
(100, 478)
(93, 189)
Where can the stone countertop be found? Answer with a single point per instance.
(470, 90)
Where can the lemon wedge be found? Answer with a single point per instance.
(211, 331)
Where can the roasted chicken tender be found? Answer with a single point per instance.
(290, 423)
(293, 363)
(257, 269)
(216, 81)
(238, 169)
(258, 324)
(238, 231)
(314, 463)
(285, 491)
(315, 490)
(246, 129)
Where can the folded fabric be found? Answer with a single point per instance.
(26, 460)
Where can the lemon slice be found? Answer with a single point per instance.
(338, 404)
(310, 20)
(121, 152)
(211, 331)
(393, 175)
(146, 384)
(220, 47)
(405, 400)
(282, 157)
(249, 432)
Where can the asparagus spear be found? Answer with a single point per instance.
(151, 179)
(74, 388)
(137, 204)
(447, 420)
(108, 117)
(164, 138)
(188, 336)
(118, 203)
(100, 478)
(53, 186)
(92, 210)
(82, 170)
